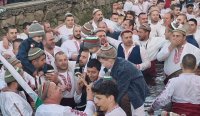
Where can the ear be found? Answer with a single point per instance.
(111, 98)
(195, 68)
(181, 66)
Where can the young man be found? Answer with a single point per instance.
(183, 91)
(193, 30)
(190, 11)
(106, 94)
(6, 45)
(92, 75)
(37, 58)
(24, 35)
(67, 28)
(127, 77)
(176, 9)
(157, 29)
(11, 101)
(36, 33)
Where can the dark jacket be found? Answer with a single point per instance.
(23, 54)
(190, 39)
(130, 81)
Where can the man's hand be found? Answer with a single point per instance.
(52, 77)
(150, 111)
(90, 95)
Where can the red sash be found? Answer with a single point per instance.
(186, 108)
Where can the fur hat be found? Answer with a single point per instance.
(90, 42)
(9, 77)
(35, 53)
(35, 30)
(107, 51)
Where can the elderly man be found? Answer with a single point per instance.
(173, 54)
(51, 94)
(127, 77)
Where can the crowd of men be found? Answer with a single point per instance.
(105, 66)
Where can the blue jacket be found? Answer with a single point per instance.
(23, 54)
(190, 39)
(130, 81)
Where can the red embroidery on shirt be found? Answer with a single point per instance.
(67, 81)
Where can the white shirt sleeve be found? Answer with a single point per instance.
(64, 48)
(165, 97)
(90, 108)
(164, 52)
(77, 97)
(145, 59)
(114, 42)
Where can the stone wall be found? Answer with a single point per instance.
(51, 10)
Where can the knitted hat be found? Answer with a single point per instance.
(90, 42)
(154, 9)
(69, 14)
(13, 61)
(181, 30)
(87, 29)
(107, 51)
(9, 77)
(35, 53)
(36, 29)
(95, 10)
(43, 90)
(145, 27)
(50, 69)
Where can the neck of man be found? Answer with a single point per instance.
(49, 50)
(127, 47)
(62, 70)
(188, 71)
(79, 40)
(12, 88)
(51, 101)
(111, 107)
(154, 22)
(180, 46)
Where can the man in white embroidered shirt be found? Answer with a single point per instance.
(52, 95)
(183, 91)
(173, 54)
(66, 77)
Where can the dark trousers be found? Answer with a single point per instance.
(68, 102)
